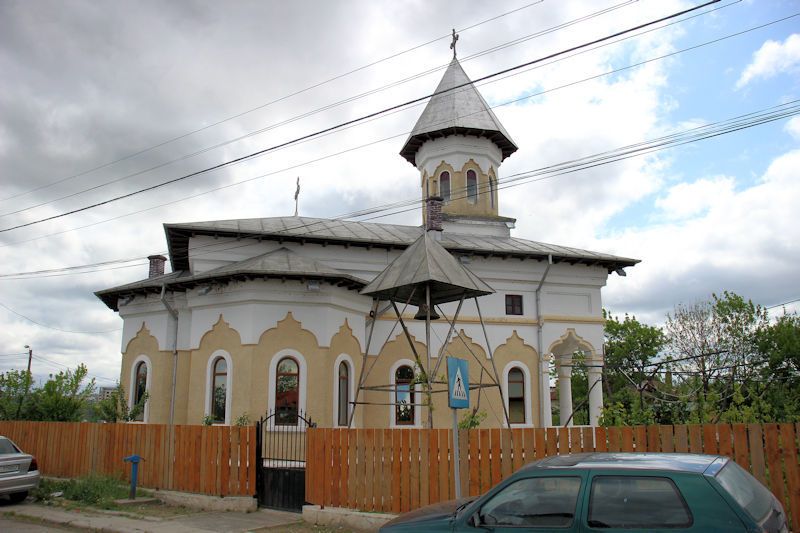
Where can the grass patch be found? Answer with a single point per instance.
(95, 490)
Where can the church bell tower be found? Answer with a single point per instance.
(458, 145)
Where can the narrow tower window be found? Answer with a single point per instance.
(492, 191)
(472, 187)
(516, 396)
(444, 185)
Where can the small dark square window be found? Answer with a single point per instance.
(513, 304)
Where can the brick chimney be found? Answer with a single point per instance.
(433, 216)
(156, 265)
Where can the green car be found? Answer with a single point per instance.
(611, 492)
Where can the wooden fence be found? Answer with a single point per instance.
(397, 470)
(214, 460)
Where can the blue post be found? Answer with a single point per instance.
(134, 460)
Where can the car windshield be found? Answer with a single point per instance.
(746, 490)
(6, 447)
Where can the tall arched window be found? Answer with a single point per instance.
(343, 401)
(404, 396)
(139, 388)
(492, 191)
(472, 186)
(516, 396)
(219, 390)
(444, 185)
(287, 392)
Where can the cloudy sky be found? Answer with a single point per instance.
(100, 99)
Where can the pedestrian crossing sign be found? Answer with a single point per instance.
(458, 383)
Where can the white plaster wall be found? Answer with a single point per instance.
(456, 150)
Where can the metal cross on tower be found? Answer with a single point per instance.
(453, 44)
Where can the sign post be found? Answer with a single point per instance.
(457, 398)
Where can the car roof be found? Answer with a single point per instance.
(678, 462)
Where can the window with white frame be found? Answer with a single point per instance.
(287, 392)
(516, 396)
(343, 399)
(139, 388)
(444, 185)
(219, 390)
(404, 409)
(472, 187)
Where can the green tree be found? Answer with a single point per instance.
(779, 344)
(14, 400)
(631, 348)
(115, 408)
(63, 398)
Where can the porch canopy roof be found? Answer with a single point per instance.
(423, 263)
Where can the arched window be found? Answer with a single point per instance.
(444, 185)
(516, 396)
(343, 401)
(492, 191)
(219, 390)
(404, 396)
(287, 392)
(139, 388)
(472, 186)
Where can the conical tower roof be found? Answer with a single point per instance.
(426, 261)
(457, 108)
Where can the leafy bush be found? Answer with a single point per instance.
(95, 489)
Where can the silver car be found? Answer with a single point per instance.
(19, 471)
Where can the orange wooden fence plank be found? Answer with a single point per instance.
(506, 437)
(495, 463)
(789, 446)
(614, 439)
(396, 472)
(653, 439)
(627, 439)
(424, 467)
(463, 461)
(446, 488)
(485, 465)
(551, 447)
(386, 482)
(774, 466)
(710, 439)
(725, 439)
(600, 443)
(756, 438)
(405, 470)
(474, 475)
(587, 436)
(741, 448)
(517, 448)
(540, 446)
(433, 459)
(667, 442)
(414, 480)
(681, 438)
(563, 441)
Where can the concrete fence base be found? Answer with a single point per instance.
(338, 516)
(245, 504)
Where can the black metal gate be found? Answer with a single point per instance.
(281, 460)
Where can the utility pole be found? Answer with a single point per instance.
(27, 382)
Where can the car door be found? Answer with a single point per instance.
(653, 501)
(542, 501)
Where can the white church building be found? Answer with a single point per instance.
(267, 315)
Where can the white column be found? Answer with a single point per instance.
(595, 392)
(545, 407)
(565, 391)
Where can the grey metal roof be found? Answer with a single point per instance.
(453, 111)
(371, 234)
(423, 263)
(280, 263)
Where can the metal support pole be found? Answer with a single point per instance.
(456, 455)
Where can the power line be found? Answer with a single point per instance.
(380, 140)
(352, 99)
(267, 104)
(57, 364)
(7, 308)
(358, 119)
(693, 134)
(784, 303)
